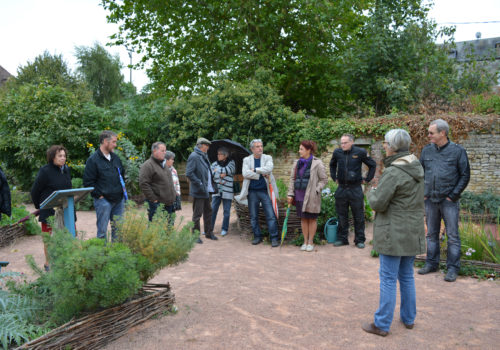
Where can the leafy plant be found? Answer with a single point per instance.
(327, 204)
(160, 243)
(477, 243)
(282, 189)
(87, 275)
(19, 213)
(486, 103)
(487, 203)
(16, 314)
(86, 203)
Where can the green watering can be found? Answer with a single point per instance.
(330, 230)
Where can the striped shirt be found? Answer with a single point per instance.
(224, 185)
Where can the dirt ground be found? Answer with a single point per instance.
(232, 295)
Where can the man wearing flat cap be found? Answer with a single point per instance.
(201, 186)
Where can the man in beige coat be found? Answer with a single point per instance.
(156, 182)
(257, 174)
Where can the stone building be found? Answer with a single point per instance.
(4, 75)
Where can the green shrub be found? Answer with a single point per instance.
(485, 104)
(19, 213)
(88, 275)
(159, 242)
(34, 117)
(487, 203)
(86, 203)
(477, 243)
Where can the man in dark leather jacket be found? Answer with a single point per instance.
(447, 173)
(345, 169)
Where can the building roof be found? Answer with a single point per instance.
(4, 75)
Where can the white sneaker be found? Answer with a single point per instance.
(309, 248)
(223, 233)
(303, 247)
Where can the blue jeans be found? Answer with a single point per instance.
(448, 211)
(106, 212)
(226, 205)
(392, 269)
(255, 198)
(152, 207)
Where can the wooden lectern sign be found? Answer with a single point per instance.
(66, 199)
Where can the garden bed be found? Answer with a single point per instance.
(245, 226)
(10, 233)
(480, 264)
(96, 330)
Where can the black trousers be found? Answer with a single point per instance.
(202, 206)
(345, 197)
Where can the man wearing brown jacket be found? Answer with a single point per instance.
(156, 182)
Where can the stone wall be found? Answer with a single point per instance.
(483, 151)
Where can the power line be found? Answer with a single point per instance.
(453, 23)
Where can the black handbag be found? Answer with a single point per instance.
(177, 203)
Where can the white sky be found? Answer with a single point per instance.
(29, 27)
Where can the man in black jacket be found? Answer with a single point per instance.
(447, 174)
(201, 186)
(5, 206)
(103, 171)
(345, 169)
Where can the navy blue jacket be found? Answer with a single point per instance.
(102, 174)
(447, 171)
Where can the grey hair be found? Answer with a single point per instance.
(223, 150)
(398, 140)
(106, 135)
(350, 136)
(441, 125)
(254, 141)
(157, 145)
(169, 155)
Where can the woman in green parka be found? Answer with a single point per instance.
(398, 232)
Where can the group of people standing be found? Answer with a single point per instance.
(407, 188)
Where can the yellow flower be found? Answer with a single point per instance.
(121, 149)
(89, 145)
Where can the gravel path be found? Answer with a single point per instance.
(232, 295)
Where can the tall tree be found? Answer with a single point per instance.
(396, 63)
(192, 43)
(47, 68)
(102, 73)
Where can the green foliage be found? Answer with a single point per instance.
(486, 104)
(87, 203)
(240, 111)
(322, 131)
(52, 70)
(18, 213)
(191, 46)
(327, 204)
(282, 189)
(16, 315)
(132, 160)
(88, 275)
(34, 117)
(159, 242)
(396, 63)
(487, 203)
(17, 197)
(477, 243)
(101, 72)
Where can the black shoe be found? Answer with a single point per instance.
(451, 276)
(211, 236)
(339, 243)
(199, 241)
(275, 243)
(256, 240)
(371, 328)
(46, 268)
(360, 245)
(427, 269)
